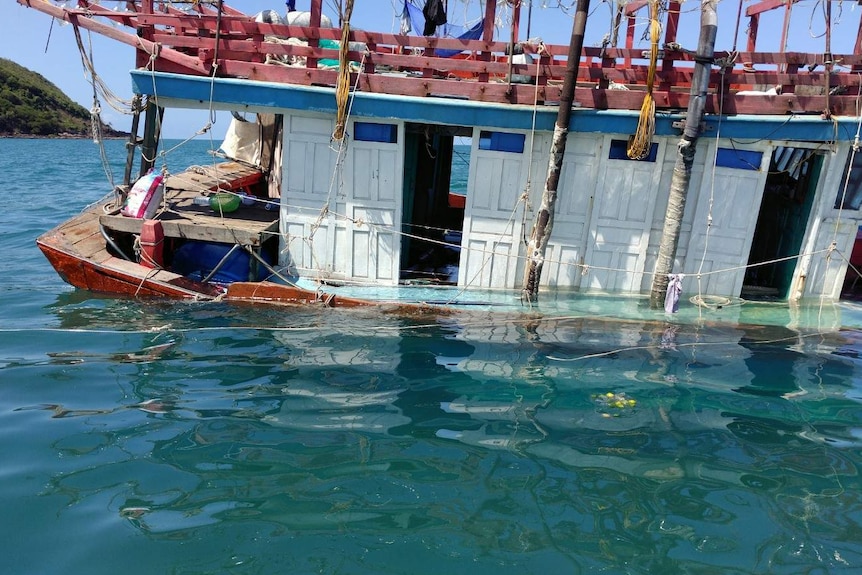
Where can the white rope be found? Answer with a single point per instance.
(711, 187)
(694, 344)
(95, 111)
(585, 267)
(527, 188)
(92, 77)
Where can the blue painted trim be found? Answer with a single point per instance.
(231, 93)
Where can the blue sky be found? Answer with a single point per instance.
(28, 38)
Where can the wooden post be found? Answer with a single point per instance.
(152, 134)
(142, 56)
(134, 142)
(545, 217)
(670, 32)
(828, 61)
(487, 36)
(685, 153)
(314, 15)
(753, 26)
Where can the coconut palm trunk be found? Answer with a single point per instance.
(686, 149)
(544, 224)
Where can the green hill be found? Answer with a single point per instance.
(30, 105)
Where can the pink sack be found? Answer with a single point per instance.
(145, 196)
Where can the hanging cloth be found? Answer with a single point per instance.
(435, 15)
(412, 18)
(674, 288)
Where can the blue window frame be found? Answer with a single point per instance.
(738, 159)
(371, 132)
(619, 147)
(502, 142)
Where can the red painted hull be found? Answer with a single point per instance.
(78, 253)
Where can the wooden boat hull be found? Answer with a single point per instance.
(79, 253)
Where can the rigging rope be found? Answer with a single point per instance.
(342, 87)
(541, 51)
(641, 142)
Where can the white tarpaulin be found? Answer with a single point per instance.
(242, 142)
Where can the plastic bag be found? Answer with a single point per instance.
(145, 196)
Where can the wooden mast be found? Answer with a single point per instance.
(685, 154)
(545, 217)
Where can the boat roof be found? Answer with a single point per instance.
(220, 44)
(184, 91)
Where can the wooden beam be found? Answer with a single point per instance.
(766, 6)
(488, 32)
(670, 32)
(753, 24)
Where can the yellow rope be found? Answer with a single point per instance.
(639, 146)
(342, 86)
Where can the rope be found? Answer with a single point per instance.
(641, 142)
(527, 188)
(341, 148)
(712, 184)
(115, 102)
(342, 86)
(95, 111)
(206, 129)
(694, 344)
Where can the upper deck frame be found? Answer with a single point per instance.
(230, 44)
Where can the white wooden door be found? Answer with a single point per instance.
(305, 245)
(367, 245)
(620, 223)
(728, 203)
(492, 226)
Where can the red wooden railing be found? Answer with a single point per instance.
(171, 40)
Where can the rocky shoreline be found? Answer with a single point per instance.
(63, 136)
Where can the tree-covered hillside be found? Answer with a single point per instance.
(30, 105)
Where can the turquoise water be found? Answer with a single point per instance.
(191, 438)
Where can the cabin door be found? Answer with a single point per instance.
(499, 168)
(369, 249)
(622, 218)
(727, 203)
(307, 185)
(436, 163)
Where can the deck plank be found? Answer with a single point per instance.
(182, 218)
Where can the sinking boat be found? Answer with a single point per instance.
(334, 184)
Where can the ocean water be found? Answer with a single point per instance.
(142, 436)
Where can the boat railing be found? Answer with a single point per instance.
(237, 46)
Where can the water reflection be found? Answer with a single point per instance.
(714, 448)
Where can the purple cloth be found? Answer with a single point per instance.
(674, 288)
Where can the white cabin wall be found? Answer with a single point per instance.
(660, 210)
(566, 249)
(609, 214)
(357, 240)
(621, 220)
